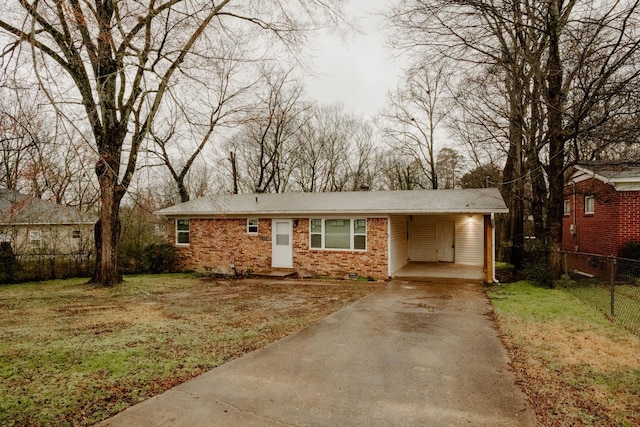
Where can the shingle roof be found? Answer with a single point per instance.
(17, 209)
(614, 171)
(486, 200)
(624, 176)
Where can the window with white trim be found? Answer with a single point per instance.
(5, 237)
(35, 238)
(252, 226)
(75, 234)
(589, 204)
(338, 234)
(567, 207)
(182, 232)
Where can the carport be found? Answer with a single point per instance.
(439, 270)
(453, 245)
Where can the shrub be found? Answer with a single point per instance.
(537, 269)
(631, 250)
(8, 262)
(158, 257)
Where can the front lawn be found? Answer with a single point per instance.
(75, 354)
(576, 367)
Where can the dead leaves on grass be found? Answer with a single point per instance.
(111, 347)
(575, 373)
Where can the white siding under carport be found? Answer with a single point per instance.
(423, 238)
(398, 242)
(421, 246)
(469, 238)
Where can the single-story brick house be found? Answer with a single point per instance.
(367, 233)
(601, 208)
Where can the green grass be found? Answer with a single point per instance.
(74, 354)
(501, 265)
(577, 367)
(626, 302)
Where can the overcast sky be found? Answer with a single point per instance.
(355, 69)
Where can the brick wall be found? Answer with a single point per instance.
(216, 244)
(372, 262)
(628, 217)
(615, 221)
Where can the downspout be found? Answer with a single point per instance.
(389, 246)
(493, 255)
(575, 216)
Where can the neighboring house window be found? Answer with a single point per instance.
(5, 237)
(589, 202)
(252, 226)
(567, 207)
(345, 234)
(75, 234)
(35, 238)
(182, 231)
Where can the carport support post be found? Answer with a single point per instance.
(489, 254)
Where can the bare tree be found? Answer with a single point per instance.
(264, 146)
(20, 132)
(567, 69)
(198, 112)
(414, 115)
(399, 172)
(39, 156)
(323, 150)
(120, 59)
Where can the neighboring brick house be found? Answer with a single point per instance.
(601, 208)
(336, 234)
(39, 227)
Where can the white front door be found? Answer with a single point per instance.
(445, 240)
(282, 244)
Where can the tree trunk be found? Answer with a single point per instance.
(512, 189)
(182, 190)
(107, 229)
(555, 108)
(234, 171)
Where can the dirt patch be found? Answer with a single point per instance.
(108, 348)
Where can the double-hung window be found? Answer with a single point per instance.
(182, 231)
(252, 226)
(339, 234)
(589, 205)
(35, 238)
(567, 207)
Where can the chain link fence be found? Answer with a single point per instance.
(24, 268)
(608, 283)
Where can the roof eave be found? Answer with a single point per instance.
(345, 212)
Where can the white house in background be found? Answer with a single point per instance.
(35, 226)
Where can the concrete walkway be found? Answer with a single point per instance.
(409, 354)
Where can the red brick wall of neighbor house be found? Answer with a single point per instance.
(597, 233)
(628, 217)
(217, 243)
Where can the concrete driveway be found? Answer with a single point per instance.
(422, 354)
